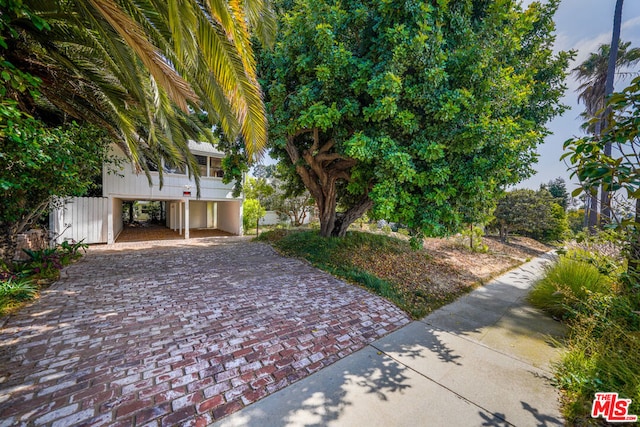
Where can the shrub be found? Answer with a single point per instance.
(471, 238)
(19, 289)
(70, 252)
(605, 264)
(403, 231)
(603, 354)
(566, 285)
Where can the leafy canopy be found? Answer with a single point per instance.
(141, 69)
(427, 108)
(37, 162)
(532, 213)
(252, 211)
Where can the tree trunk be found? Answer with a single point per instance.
(345, 219)
(605, 197)
(591, 212)
(320, 171)
(633, 259)
(130, 212)
(504, 233)
(8, 243)
(327, 203)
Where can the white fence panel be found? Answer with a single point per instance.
(81, 218)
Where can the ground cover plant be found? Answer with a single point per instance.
(418, 281)
(21, 281)
(603, 347)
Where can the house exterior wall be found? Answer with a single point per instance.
(118, 222)
(198, 214)
(230, 217)
(210, 210)
(79, 219)
(128, 184)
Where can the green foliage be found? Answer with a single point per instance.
(558, 189)
(600, 249)
(72, 251)
(43, 264)
(558, 225)
(603, 354)
(595, 365)
(566, 285)
(252, 211)
(37, 162)
(531, 213)
(274, 193)
(603, 346)
(617, 172)
(19, 289)
(259, 189)
(575, 220)
(20, 281)
(472, 238)
(423, 109)
(140, 70)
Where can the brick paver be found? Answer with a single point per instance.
(177, 334)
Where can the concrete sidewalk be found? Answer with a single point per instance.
(483, 360)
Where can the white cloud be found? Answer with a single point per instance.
(630, 23)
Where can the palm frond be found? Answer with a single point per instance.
(179, 90)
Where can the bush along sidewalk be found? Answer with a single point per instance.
(584, 289)
(22, 280)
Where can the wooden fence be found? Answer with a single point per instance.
(80, 218)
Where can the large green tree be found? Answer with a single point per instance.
(531, 213)
(416, 109)
(558, 189)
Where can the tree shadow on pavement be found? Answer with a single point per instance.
(320, 400)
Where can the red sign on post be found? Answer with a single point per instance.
(186, 193)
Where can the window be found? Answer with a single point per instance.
(202, 164)
(153, 167)
(177, 169)
(215, 167)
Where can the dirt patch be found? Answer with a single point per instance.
(482, 266)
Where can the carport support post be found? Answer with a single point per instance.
(186, 219)
(180, 217)
(110, 237)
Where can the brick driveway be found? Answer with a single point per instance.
(177, 334)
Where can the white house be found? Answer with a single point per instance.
(99, 220)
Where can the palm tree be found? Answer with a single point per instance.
(605, 197)
(143, 68)
(593, 74)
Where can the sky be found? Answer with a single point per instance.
(581, 25)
